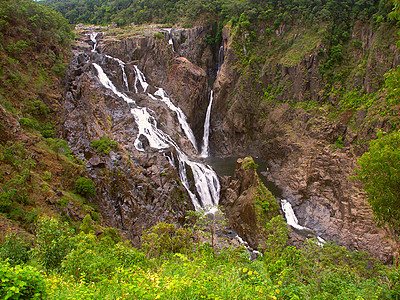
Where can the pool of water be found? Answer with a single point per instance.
(225, 166)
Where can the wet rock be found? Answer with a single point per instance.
(134, 190)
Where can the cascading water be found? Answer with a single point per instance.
(93, 36)
(122, 65)
(179, 113)
(206, 181)
(205, 150)
(291, 219)
(170, 41)
(220, 57)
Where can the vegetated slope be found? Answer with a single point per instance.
(35, 165)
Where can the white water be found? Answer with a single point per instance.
(170, 41)
(206, 181)
(291, 218)
(122, 65)
(205, 150)
(140, 76)
(220, 57)
(179, 113)
(93, 36)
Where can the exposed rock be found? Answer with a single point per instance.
(242, 203)
(184, 81)
(9, 126)
(310, 157)
(134, 190)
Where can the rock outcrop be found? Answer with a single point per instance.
(248, 204)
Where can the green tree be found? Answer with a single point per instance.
(379, 170)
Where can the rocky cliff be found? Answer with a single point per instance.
(310, 155)
(277, 112)
(135, 190)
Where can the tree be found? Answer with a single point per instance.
(379, 170)
(210, 219)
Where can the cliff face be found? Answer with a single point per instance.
(181, 69)
(311, 156)
(276, 111)
(135, 190)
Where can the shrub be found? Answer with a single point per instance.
(104, 145)
(159, 35)
(379, 170)
(21, 282)
(29, 123)
(164, 238)
(85, 187)
(15, 250)
(59, 146)
(87, 225)
(95, 260)
(54, 242)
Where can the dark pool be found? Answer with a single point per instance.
(225, 166)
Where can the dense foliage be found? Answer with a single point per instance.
(89, 266)
(34, 51)
(124, 12)
(380, 171)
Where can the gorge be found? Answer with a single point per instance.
(146, 156)
(313, 176)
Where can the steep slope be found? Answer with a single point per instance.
(309, 136)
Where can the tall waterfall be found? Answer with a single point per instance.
(206, 135)
(220, 57)
(207, 186)
(93, 36)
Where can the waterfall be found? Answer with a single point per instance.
(93, 36)
(179, 113)
(220, 57)
(291, 219)
(170, 41)
(206, 182)
(122, 65)
(140, 76)
(206, 135)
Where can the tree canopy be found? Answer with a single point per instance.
(380, 172)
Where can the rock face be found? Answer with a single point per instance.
(135, 190)
(176, 71)
(248, 204)
(311, 158)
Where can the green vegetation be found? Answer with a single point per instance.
(380, 171)
(34, 49)
(104, 145)
(21, 282)
(85, 265)
(85, 187)
(248, 163)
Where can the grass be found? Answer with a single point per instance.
(306, 41)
